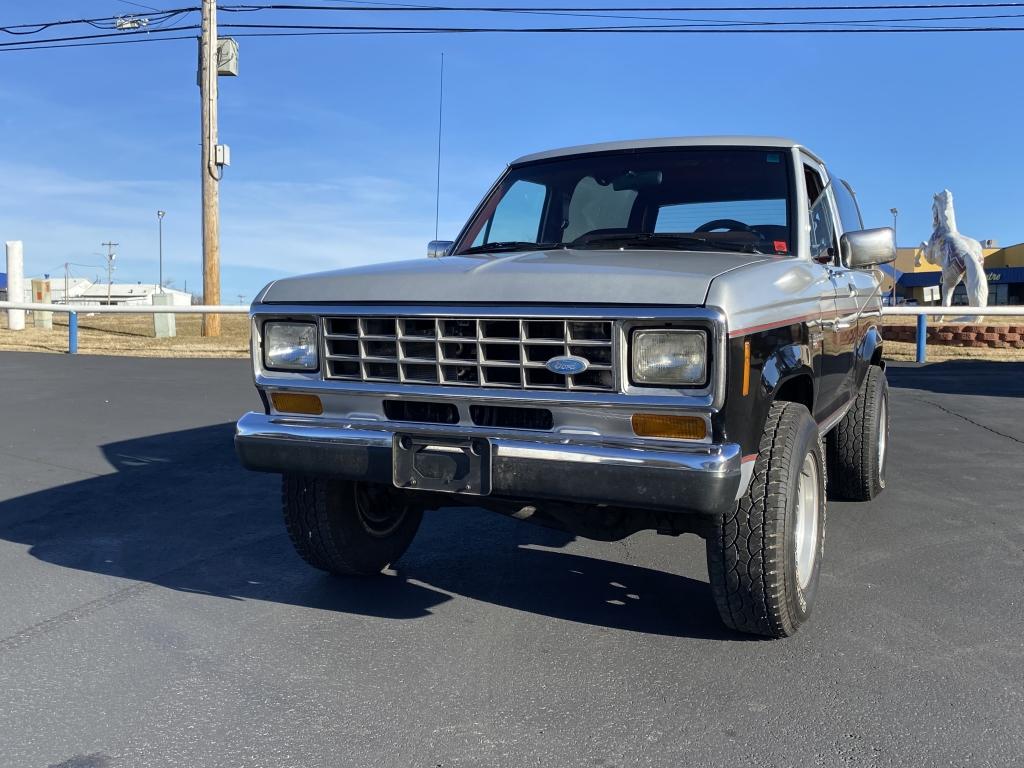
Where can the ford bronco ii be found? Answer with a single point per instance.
(678, 335)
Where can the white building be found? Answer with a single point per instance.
(85, 292)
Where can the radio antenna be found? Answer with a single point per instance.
(440, 116)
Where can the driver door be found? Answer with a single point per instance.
(825, 338)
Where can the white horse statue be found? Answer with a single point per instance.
(957, 254)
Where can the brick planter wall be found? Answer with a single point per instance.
(993, 336)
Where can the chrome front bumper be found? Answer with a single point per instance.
(703, 479)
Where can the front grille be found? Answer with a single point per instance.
(474, 352)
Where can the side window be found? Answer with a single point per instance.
(596, 206)
(823, 228)
(518, 215)
(846, 203)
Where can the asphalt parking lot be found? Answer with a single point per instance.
(154, 614)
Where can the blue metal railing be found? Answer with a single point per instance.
(72, 311)
(120, 309)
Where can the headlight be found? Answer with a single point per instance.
(290, 346)
(670, 358)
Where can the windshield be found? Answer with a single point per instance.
(685, 199)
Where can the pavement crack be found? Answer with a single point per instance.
(17, 640)
(972, 421)
(46, 463)
(30, 633)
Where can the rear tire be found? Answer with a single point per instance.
(857, 448)
(764, 556)
(346, 528)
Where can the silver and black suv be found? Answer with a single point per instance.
(672, 334)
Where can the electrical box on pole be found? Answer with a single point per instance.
(227, 57)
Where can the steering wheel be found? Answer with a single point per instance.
(730, 224)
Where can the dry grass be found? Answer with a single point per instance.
(130, 335)
(903, 350)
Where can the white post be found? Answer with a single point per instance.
(15, 283)
(41, 294)
(163, 322)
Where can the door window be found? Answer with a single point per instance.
(846, 203)
(823, 228)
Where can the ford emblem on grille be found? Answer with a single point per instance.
(567, 365)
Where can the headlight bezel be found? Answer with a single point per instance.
(266, 329)
(635, 380)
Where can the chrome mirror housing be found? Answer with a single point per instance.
(438, 248)
(868, 247)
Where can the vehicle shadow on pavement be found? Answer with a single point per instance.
(960, 377)
(179, 512)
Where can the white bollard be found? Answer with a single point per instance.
(15, 283)
(41, 295)
(163, 322)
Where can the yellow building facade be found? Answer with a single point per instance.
(1004, 268)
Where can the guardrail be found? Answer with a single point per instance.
(72, 312)
(923, 313)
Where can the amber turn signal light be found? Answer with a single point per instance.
(660, 425)
(292, 402)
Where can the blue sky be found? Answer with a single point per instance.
(333, 139)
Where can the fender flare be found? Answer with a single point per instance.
(786, 363)
(869, 348)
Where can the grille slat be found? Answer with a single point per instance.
(503, 353)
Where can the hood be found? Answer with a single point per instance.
(544, 277)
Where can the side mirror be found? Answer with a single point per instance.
(438, 248)
(868, 247)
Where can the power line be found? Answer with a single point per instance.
(368, 7)
(121, 34)
(109, 21)
(702, 24)
(28, 47)
(139, 5)
(415, 8)
(356, 30)
(724, 22)
(616, 30)
(159, 29)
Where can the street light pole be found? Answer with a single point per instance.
(110, 266)
(895, 212)
(160, 224)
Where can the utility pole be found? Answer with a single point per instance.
(67, 269)
(110, 266)
(208, 66)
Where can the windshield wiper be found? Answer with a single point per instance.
(511, 245)
(665, 240)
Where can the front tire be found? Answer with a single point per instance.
(764, 556)
(857, 448)
(347, 528)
